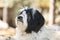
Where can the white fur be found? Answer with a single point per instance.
(24, 18)
(46, 33)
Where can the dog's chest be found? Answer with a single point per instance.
(24, 36)
(41, 35)
(27, 37)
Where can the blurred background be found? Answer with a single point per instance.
(50, 9)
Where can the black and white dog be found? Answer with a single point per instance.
(32, 19)
(29, 24)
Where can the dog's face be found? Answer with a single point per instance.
(31, 19)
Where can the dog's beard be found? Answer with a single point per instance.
(24, 18)
(21, 27)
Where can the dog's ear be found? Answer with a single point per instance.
(38, 21)
(35, 23)
(39, 18)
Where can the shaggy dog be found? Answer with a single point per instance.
(30, 26)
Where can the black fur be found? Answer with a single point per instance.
(34, 24)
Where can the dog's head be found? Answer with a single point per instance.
(31, 18)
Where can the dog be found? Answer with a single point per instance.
(30, 25)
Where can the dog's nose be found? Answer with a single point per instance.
(20, 17)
